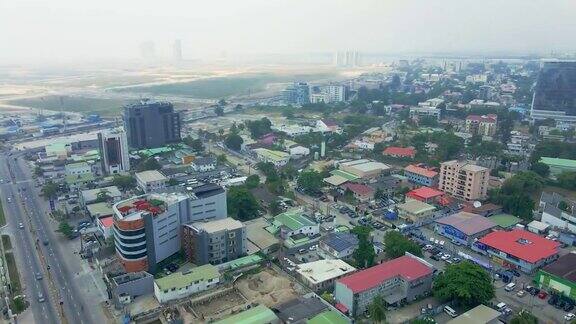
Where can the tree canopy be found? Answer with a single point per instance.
(124, 182)
(195, 144)
(465, 283)
(234, 142)
(397, 245)
(311, 181)
(259, 127)
(49, 190)
(377, 309)
(514, 195)
(242, 205)
(567, 180)
(541, 169)
(252, 181)
(148, 164)
(364, 254)
(524, 317)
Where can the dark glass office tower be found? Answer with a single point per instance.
(151, 124)
(555, 92)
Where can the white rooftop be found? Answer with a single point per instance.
(151, 175)
(218, 225)
(323, 270)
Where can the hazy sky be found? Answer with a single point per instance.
(75, 29)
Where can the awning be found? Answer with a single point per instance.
(341, 307)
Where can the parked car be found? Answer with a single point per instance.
(569, 317)
(521, 293)
(542, 294)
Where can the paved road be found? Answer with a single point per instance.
(65, 290)
(23, 243)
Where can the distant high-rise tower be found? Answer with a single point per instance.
(148, 50)
(114, 151)
(151, 124)
(555, 92)
(177, 51)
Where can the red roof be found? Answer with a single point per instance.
(424, 193)
(106, 221)
(400, 151)
(358, 188)
(490, 118)
(407, 267)
(421, 171)
(124, 209)
(341, 307)
(521, 244)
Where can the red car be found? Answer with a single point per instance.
(542, 294)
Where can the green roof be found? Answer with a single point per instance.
(256, 315)
(159, 150)
(79, 178)
(293, 219)
(180, 280)
(346, 175)
(328, 317)
(245, 261)
(558, 162)
(505, 220)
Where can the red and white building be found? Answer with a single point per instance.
(518, 249)
(425, 194)
(403, 279)
(484, 125)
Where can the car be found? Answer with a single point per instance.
(449, 261)
(428, 247)
(559, 304)
(38, 276)
(515, 272)
(568, 307)
(434, 257)
(542, 294)
(41, 298)
(302, 251)
(45, 242)
(445, 257)
(569, 316)
(521, 293)
(456, 260)
(20, 226)
(553, 300)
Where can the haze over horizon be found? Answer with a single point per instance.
(63, 30)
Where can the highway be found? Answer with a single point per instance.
(58, 280)
(23, 243)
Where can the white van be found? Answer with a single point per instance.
(501, 306)
(450, 311)
(509, 287)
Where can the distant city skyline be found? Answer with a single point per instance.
(106, 29)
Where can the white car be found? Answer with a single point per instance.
(569, 316)
(436, 242)
(428, 247)
(446, 257)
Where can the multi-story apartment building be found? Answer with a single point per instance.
(151, 180)
(463, 180)
(297, 94)
(151, 124)
(328, 94)
(114, 155)
(214, 242)
(403, 279)
(147, 229)
(421, 175)
(484, 125)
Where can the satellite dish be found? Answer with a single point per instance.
(477, 204)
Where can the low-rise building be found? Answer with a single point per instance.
(403, 279)
(255, 315)
(278, 158)
(480, 314)
(214, 242)
(320, 275)
(415, 211)
(360, 191)
(184, 284)
(203, 164)
(78, 169)
(425, 194)
(464, 227)
(400, 152)
(421, 175)
(294, 222)
(105, 225)
(300, 309)
(151, 180)
(339, 245)
(125, 287)
(484, 125)
(519, 249)
(92, 195)
(558, 211)
(418, 112)
(559, 276)
(365, 169)
(328, 126)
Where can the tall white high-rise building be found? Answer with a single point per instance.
(114, 151)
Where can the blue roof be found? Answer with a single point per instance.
(341, 241)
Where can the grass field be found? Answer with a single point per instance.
(13, 271)
(104, 107)
(223, 87)
(2, 216)
(6, 242)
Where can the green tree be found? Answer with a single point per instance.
(567, 180)
(424, 320)
(364, 254)
(466, 284)
(268, 169)
(252, 181)
(221, 158)
(259, 127)
(242, 204)
(49, 190)
(195, 144)
(38, 171)
(311, 181)
(173, 182)
(397, 245)
(377, 309)
(274, 207)
(541, 169)
(219, 111)
(124, 182)
(103, 196)
(148, 164)
(428, 121)
(524, 317)
(65, 229)
(327, 296)
(234, 142)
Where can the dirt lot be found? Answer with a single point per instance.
(266, 287)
